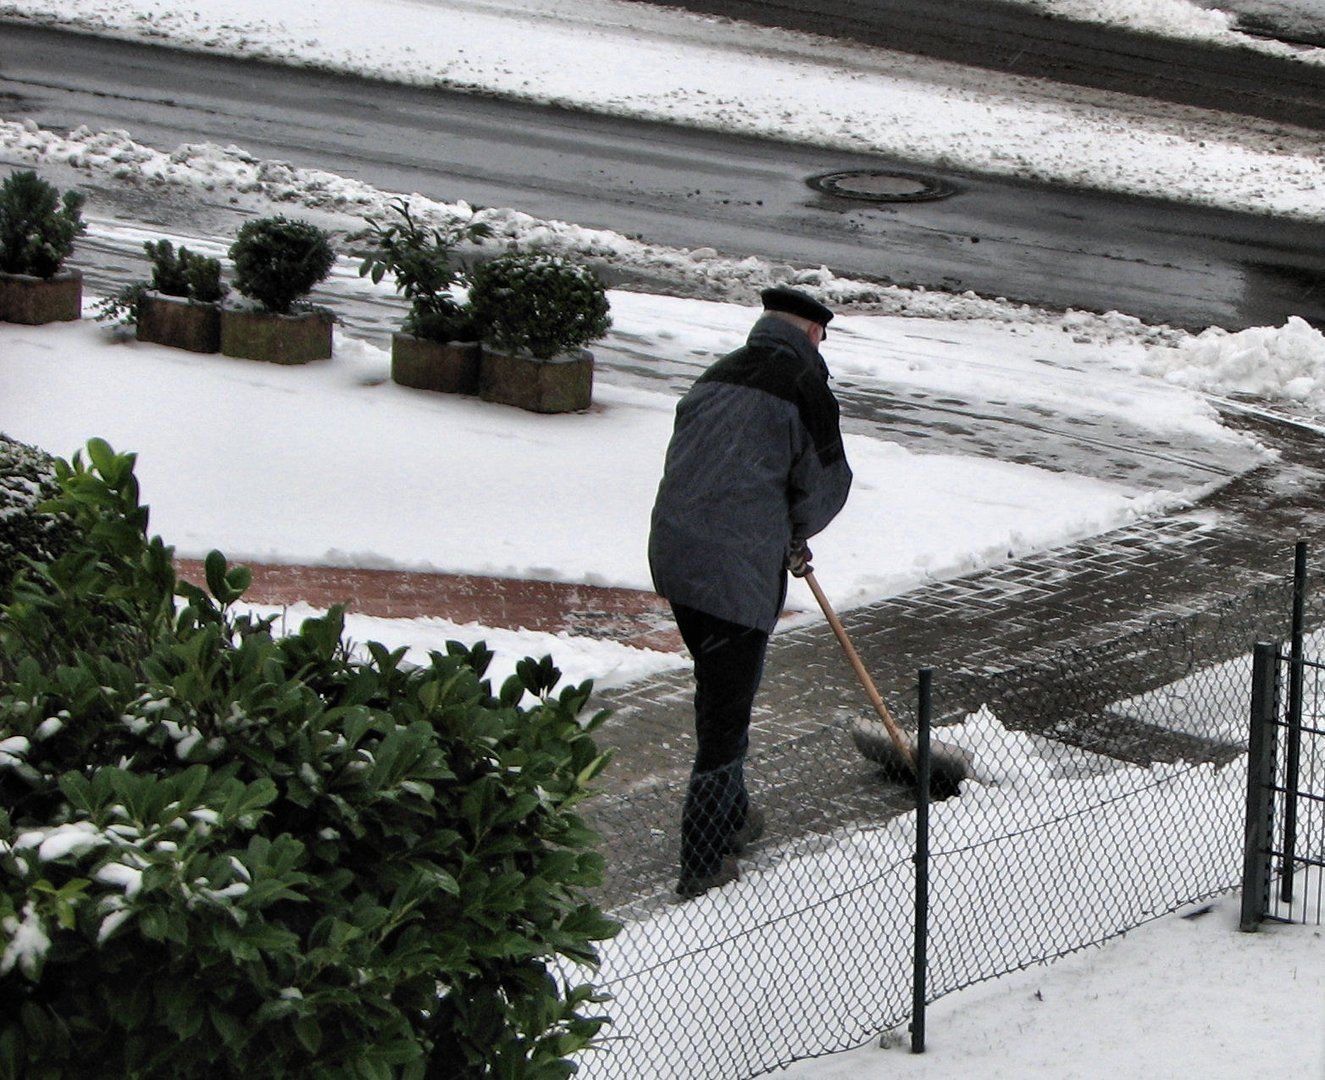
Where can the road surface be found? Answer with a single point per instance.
(1060, 248)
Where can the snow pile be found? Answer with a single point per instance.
(701, 271)
(1171, 18)
(1280, 363)
(608, 663)
(201, 166)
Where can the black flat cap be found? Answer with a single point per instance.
(795, 302)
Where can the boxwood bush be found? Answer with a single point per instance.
(278, 260)
(229, 852)
(543, 303)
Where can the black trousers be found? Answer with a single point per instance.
(729, 664)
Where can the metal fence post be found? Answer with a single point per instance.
(921, 951)
(1293, 748)
(1260, 777)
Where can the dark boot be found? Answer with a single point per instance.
(689, 887)
(748, 833)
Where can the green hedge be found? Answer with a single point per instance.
(226, 852)
(27, 480)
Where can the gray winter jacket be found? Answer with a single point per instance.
(755, 460)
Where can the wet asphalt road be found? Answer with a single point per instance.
(1058, 248)
(1018, 40)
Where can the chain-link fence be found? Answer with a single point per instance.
(1107, 787)
(1284, 854)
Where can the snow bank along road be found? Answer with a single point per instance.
(1059, 248)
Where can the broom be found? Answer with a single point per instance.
(948, 765)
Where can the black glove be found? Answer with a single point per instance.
(798, 558)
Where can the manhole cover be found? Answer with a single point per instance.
(878, 186)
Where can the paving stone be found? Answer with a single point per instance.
(1077, 597)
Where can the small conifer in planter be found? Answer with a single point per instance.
(38, 227)
(185, 273)
(277, 262)
(183, 306)
(438, 346)
(535, 315)
(180, 306)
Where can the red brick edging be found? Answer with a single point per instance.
(631, 616)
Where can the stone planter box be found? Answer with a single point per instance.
(278, 339)
(450, 367)
(561, 384)
(33, 301)
(179, 322)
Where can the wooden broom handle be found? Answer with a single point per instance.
(900, 740)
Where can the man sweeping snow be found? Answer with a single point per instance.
(754, 468)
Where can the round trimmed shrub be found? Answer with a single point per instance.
(545, 304)
(278, 260)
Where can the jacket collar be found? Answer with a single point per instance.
(772, 331)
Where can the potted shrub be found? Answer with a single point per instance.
(535, 313)
(180, 306)
(38, 227)
(437, 347)
(277, 261)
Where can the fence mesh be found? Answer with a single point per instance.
(1107, 788)
(1296, 848)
